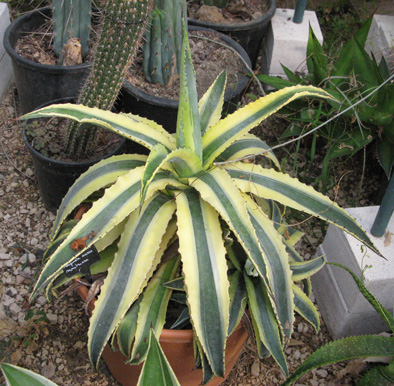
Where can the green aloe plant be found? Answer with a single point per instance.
(235, 248)
(349, 78)
(356, 347)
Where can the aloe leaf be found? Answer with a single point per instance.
(153, 309)
(211, 104)
(239, 123)
(266, 326)
(377, 376)
(129, 272)
(249, 144)
(100, 175)
(385, 315)
(17, 376)
(117, 203)
(305, 269)
(344, 349)
(205, 272)
(270, 184)
(277, 261)
(188, 129)
(305, 307)
(133, 127)
(316, 59)
(156, 370)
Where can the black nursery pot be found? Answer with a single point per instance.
(40, 83)
(249, 35)
(165, 111)
(56, 177)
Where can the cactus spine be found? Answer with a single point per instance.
(123, 25)
(163, 41)
(71, 18)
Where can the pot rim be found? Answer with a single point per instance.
(265, 18)
(229, 94)
(49, 68)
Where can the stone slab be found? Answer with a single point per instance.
(286, 42)
(343, 308)
(380, 40)
(6, 73)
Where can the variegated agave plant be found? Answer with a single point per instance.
(234, 247)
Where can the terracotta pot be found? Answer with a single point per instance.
(178, 348)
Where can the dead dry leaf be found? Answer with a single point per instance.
(387, 238)
(354, 367)
(16, 356)
(7, 326)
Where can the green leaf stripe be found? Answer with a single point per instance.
(305, 269)
(306, 308)
(142, 131)
(117, 203)
(98, 176)
(270, 184)
(235, 125)
(128, 274)
(249, 144)
(205, 272)
(265, 320)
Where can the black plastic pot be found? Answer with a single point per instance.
(165, 111)
(40, 83)
(249, 35)
(56, 177)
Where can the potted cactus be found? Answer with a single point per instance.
(189, 222)
(40, 83)
(249, 34)
(160, 65)
(115, 49)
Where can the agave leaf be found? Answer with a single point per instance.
(117, 203)
(305, 307)
(183, 320)
(133, 127)
(211, 104)
(238, 298)
(385, 153)
(17, 376)
(128, 274)
(277, 260)
(239, 123)
(377, 376)
(188, 129)
(205, 271)
(156, 156)
(156, 370)
(249, 144)
(344, 349)
(176, 284)
(152, 309)
(266, 326)
(206, 367)
(100, 175)
(217, 188)
(126, 329)
(270, 184)
(305, 269)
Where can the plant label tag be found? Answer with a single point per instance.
(82, 263)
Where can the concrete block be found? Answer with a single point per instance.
(6, 73)
(380, 40)
(286, 42)
(345, 311)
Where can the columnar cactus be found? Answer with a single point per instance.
(163, 41)
(71, 18)
(123, 25)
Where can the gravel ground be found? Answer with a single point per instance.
(56, 346)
